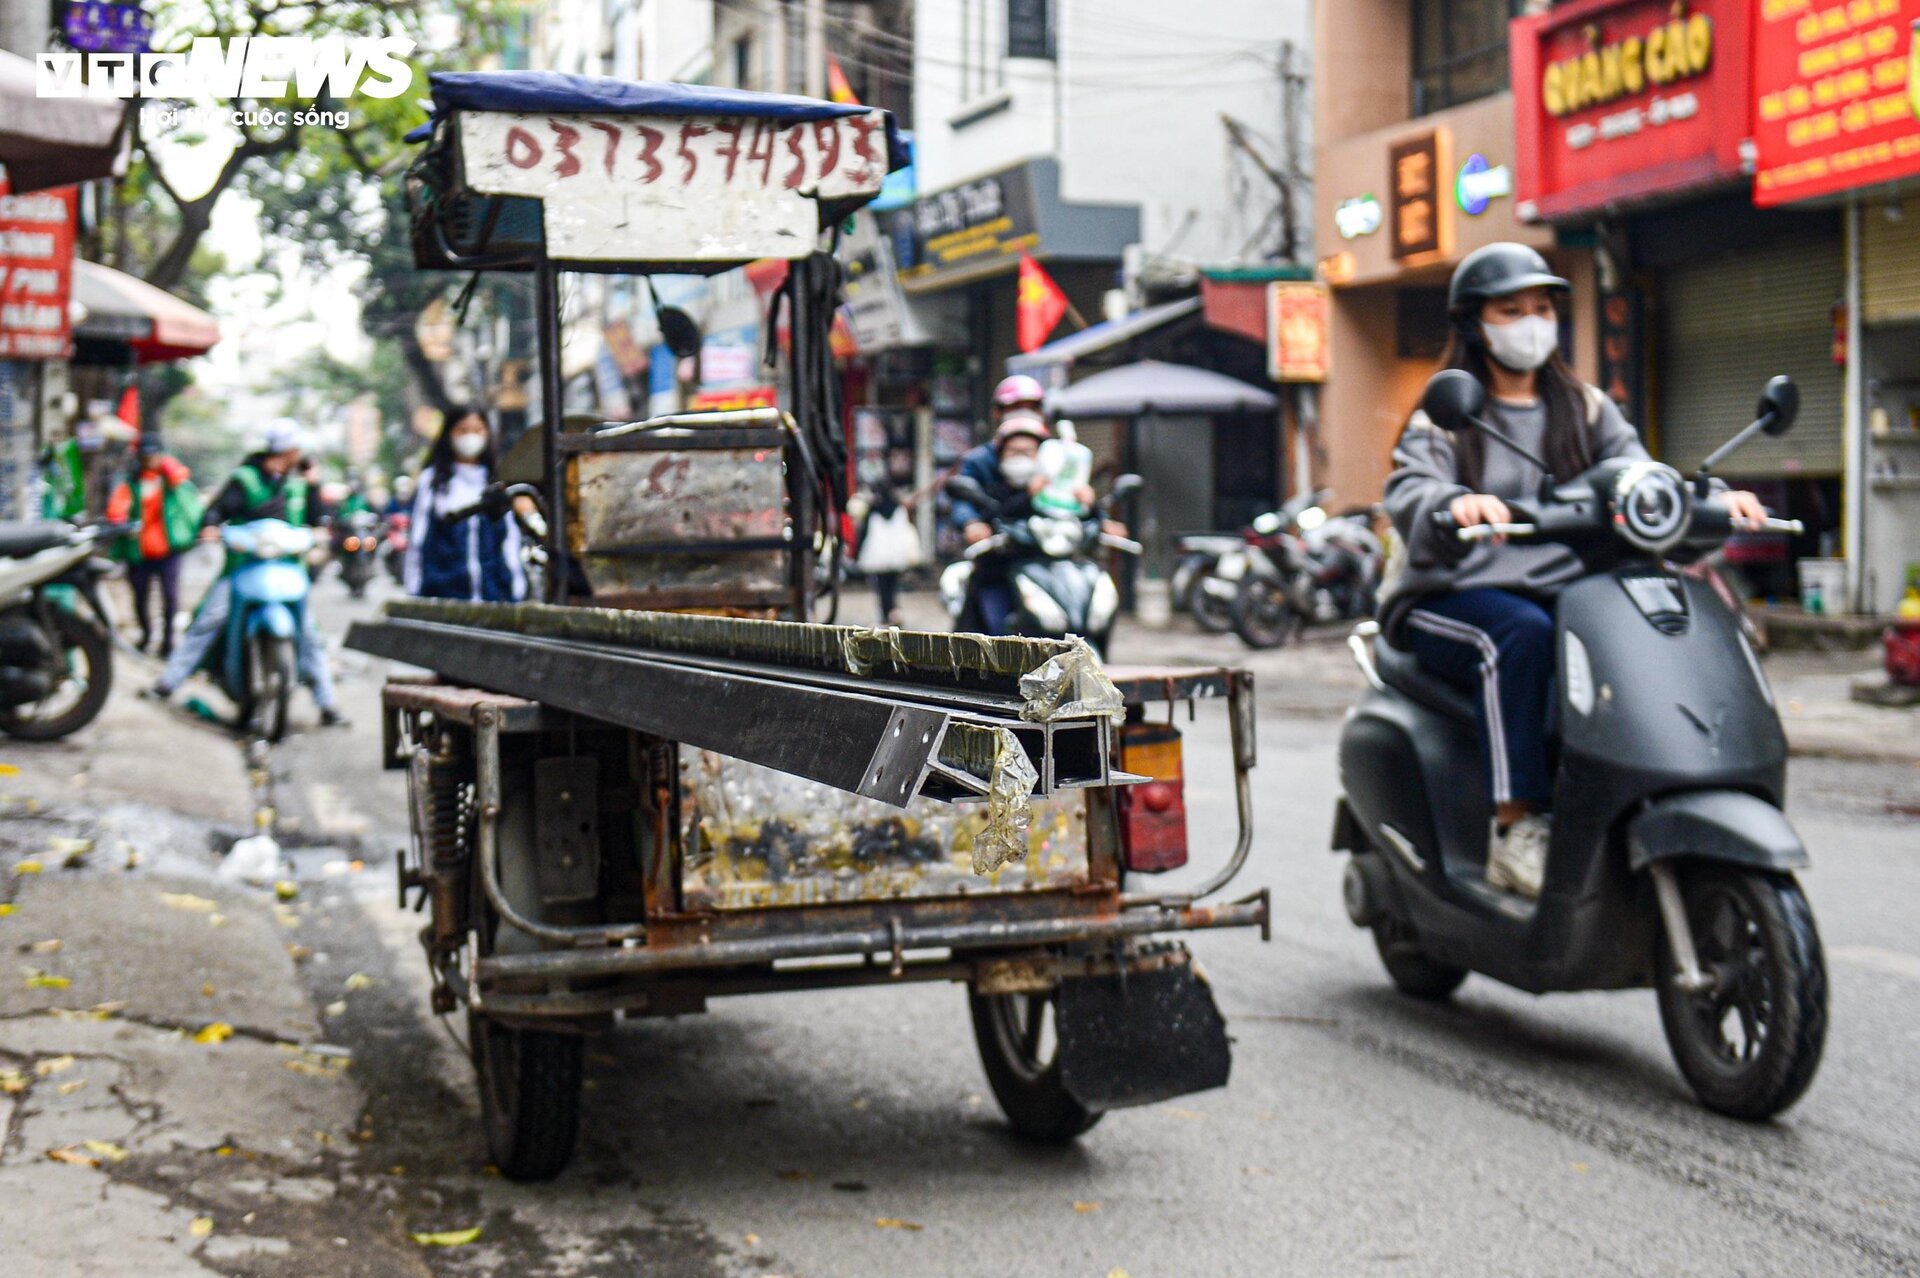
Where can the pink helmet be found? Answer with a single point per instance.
(1018, 389)
(1022, 421)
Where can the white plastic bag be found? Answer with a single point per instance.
(892, 543)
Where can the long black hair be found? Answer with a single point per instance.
(1568, 450)
(440, 458)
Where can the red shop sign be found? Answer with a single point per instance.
(1836, 96)
(1620, 101)
(36, 273)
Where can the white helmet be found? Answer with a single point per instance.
(283, 435)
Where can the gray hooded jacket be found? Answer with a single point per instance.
(1426, 479)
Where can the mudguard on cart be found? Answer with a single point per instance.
(1139, 1037)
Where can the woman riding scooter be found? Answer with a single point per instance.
(1480, 614)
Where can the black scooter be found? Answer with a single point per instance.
(1671, 863)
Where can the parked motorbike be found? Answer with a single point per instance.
(356, 545)
(56, 665)
(1346, 559)
(1671, 863)
(256, 658)
(1273, 578)
(396, 545)
(1206, 578)
(1059, 587)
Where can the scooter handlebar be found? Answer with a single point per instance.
(1487, 532)
(985, 546)
(1125, 545)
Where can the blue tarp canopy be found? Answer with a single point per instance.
(530, 91)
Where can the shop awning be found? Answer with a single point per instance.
(158, 325)
(48, 142)
(1102, 336)
(1150, 386)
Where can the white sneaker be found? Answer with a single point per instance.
(1517, 860)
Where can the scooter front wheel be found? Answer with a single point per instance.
(1750, 1042)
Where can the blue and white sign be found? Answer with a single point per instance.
(1480, 184)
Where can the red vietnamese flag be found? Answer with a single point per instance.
(839, 89)
(1038, 306)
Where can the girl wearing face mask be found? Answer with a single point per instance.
(1481, 617)
(476, 558)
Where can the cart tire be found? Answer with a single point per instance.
(529, 1096)
(1025, 1080)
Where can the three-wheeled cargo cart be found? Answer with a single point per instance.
(666, 784)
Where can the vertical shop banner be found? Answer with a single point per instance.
(1836, 89)
(36, 274)
(1619, 100)
(1297, 319)
(1419, 214)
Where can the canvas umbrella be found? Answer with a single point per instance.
(46, 142)
(1150, 386)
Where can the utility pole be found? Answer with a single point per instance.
(816, 48)
(1289, 237)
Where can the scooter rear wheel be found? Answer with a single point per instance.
(84, 656)
(1750, 1044)
(1264, 616)
(1413, 973)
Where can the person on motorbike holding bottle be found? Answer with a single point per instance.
(1481, 616)
(270, 484)
(1004, 467)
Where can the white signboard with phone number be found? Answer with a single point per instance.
(674, 189)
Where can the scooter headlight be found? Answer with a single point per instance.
(1041, 606)
(1106, 602)
(1651, 506)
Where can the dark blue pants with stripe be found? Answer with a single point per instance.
(1498, 646)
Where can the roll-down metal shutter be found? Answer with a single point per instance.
(1729, 323)
(1889, 266)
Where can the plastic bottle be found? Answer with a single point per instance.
(1067, 465)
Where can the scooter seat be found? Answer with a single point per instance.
(18, 540)
(1403, 672)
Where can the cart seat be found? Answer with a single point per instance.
(1403, 672)
(20, 539)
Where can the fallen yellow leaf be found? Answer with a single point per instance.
(1086, 1209)
(12, 1082)
(216, 920)
(1116, 1273)
(894, 1222)
(201, 1226)
(6, 908)
(38, 980)
(216, 1032)
(49, 946)
(188, 901)
(106, 1149)
(9, 770)
(28, 867)
(360, 981)
(751, 1240)
(286, 889)
(52, 1065)
(70, 1155)
(206, 991)
(68, 1089)
(448, 1237)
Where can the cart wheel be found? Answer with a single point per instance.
(1019, 1049)
(529, 1095)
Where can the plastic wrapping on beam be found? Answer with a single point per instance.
(1055, 679)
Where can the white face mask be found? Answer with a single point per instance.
(1523, 344)
(1017, 470)
(468, 447)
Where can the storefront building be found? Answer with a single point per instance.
(1414, 169)
(1704, 150)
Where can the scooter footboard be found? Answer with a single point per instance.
(1134, 1038)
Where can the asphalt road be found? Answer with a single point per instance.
(843, 1134)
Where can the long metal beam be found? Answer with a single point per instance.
(877, 738)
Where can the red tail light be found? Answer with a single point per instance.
(352, 543)
(1153, 814)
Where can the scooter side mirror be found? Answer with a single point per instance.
(1779, 405)
(1453, 398)
(965, 488)
(1124, 486)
